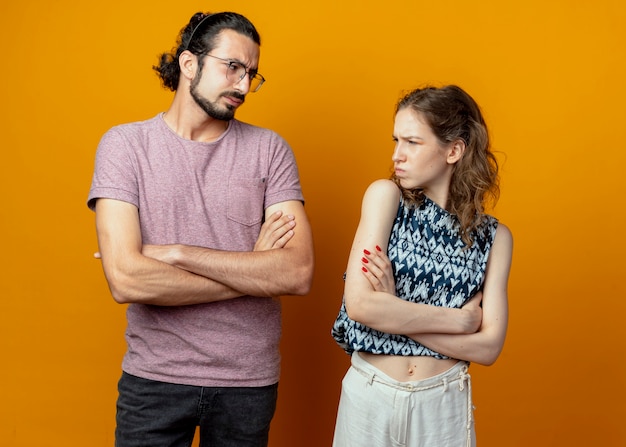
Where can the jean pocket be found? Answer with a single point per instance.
(246, 200)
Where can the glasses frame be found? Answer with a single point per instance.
(253, 75)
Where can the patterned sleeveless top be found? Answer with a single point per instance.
(431, 265)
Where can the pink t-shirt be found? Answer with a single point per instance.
(204, 194)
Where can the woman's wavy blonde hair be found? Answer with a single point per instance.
(452, 114)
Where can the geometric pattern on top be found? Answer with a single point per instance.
(431, 265)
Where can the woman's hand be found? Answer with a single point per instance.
(376, 267)
(472, 314)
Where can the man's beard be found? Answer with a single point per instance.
(225, 113)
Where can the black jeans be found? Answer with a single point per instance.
(159, 414)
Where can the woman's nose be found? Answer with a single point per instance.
(397, 155)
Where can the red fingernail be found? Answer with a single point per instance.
(378, 248)
(364, 260)
(364, 269)
(366, 252)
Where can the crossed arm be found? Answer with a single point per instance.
(483, 346)
(484, 342)
(378, 307)
(179, 275)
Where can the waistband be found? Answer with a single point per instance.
(458, 372)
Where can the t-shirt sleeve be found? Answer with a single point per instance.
(284, 181)
(115, 174)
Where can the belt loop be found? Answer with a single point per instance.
(464, 377)
(445, 384)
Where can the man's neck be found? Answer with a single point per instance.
(192, 123)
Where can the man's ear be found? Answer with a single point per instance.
(456, 151)
(188, 64)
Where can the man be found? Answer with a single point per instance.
(196, 218)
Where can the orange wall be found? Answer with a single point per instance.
(549, 76)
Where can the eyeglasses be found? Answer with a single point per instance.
(237, 71)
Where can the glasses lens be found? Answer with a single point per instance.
(255, 83)
(236, 72)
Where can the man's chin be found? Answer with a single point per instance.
(223, 115)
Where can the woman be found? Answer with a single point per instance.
(426, 282)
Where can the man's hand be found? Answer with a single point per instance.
(276, 231)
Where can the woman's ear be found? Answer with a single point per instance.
(456, 151)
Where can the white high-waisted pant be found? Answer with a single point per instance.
(378, 411)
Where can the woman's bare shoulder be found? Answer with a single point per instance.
(380, 200)
(383, 188)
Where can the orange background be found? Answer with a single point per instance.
(549, 76)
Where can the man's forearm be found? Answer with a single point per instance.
(284, 271)
(148, 281)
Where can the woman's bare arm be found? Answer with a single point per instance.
(382, 310)
(485, 345)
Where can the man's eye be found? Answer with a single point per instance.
(234, 66)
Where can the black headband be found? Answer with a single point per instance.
(196, 29)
